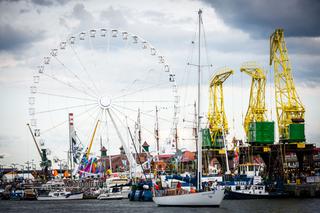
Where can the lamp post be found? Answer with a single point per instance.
(1, 168)
(22, 170)
(34, 166)
(60, 163)
(60, 166)
(28, 167)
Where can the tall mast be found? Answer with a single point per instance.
(157, 131)
(198, 134)
(139, 131)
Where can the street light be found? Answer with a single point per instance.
(22, 168)
(28, 167)
(59, 161)
(2, 168)
(34, 166)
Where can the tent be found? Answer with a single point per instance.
(9, 177)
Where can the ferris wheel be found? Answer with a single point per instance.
(106, 76)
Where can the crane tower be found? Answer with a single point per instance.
(258, 130)
(289, 108)
(218, 124)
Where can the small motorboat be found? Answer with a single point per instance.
(61, 195)
(30, 194)
(113, 193)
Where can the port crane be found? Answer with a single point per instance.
(257, 107)
(217, 119)
(289, 108)
(45, 162)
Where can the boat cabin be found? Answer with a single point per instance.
(250, 169)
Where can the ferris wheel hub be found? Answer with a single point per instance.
(104, 102)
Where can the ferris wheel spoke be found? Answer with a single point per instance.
(84, 69)
(144, 113)
(64, 108)
(69, 85)
(94, 122)
(67, 120)
(138, 90)
(74, 74)
(143, 101)
(64, 96)
(94, 114)
(94, 64)
(121, 113)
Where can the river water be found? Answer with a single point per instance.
(93, 206)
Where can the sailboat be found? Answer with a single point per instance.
(199, 198)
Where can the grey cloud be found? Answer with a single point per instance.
(305, 69)
(43, 2)
(161, 17)
(49, 2)
(12, 39)
(303, 45)
(260, 18)
(307, 78)
(24, 11)
(80, 12)
(85, 17)
(63, 22)
(114, 17)
(8, 139)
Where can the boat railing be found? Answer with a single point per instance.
(170, 192)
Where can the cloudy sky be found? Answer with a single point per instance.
(234, 32)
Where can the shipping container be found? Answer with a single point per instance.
(296, 133)
(261, 132)
(218, 142)
(206, 138)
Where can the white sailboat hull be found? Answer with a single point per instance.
(211, 198)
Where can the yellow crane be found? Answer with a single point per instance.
(218, 123)
(289, 108)
(91, 141)
(258, 130)
(257, 106)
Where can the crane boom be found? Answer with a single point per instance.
(257, 106)
(34, 140)
(289, 108)
(45, 162)
(92, 138)
(218, 123)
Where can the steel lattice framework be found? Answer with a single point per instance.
(216, 115)
(257, 106)
(288, 105)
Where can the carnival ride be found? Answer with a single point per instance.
(102, 76)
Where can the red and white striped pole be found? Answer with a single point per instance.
(71, 130)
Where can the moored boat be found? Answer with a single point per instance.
(252, 192)
(61, 195)
(112, 194)
(180, 197)
(210, 198)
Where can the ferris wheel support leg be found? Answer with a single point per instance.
(128, 153)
